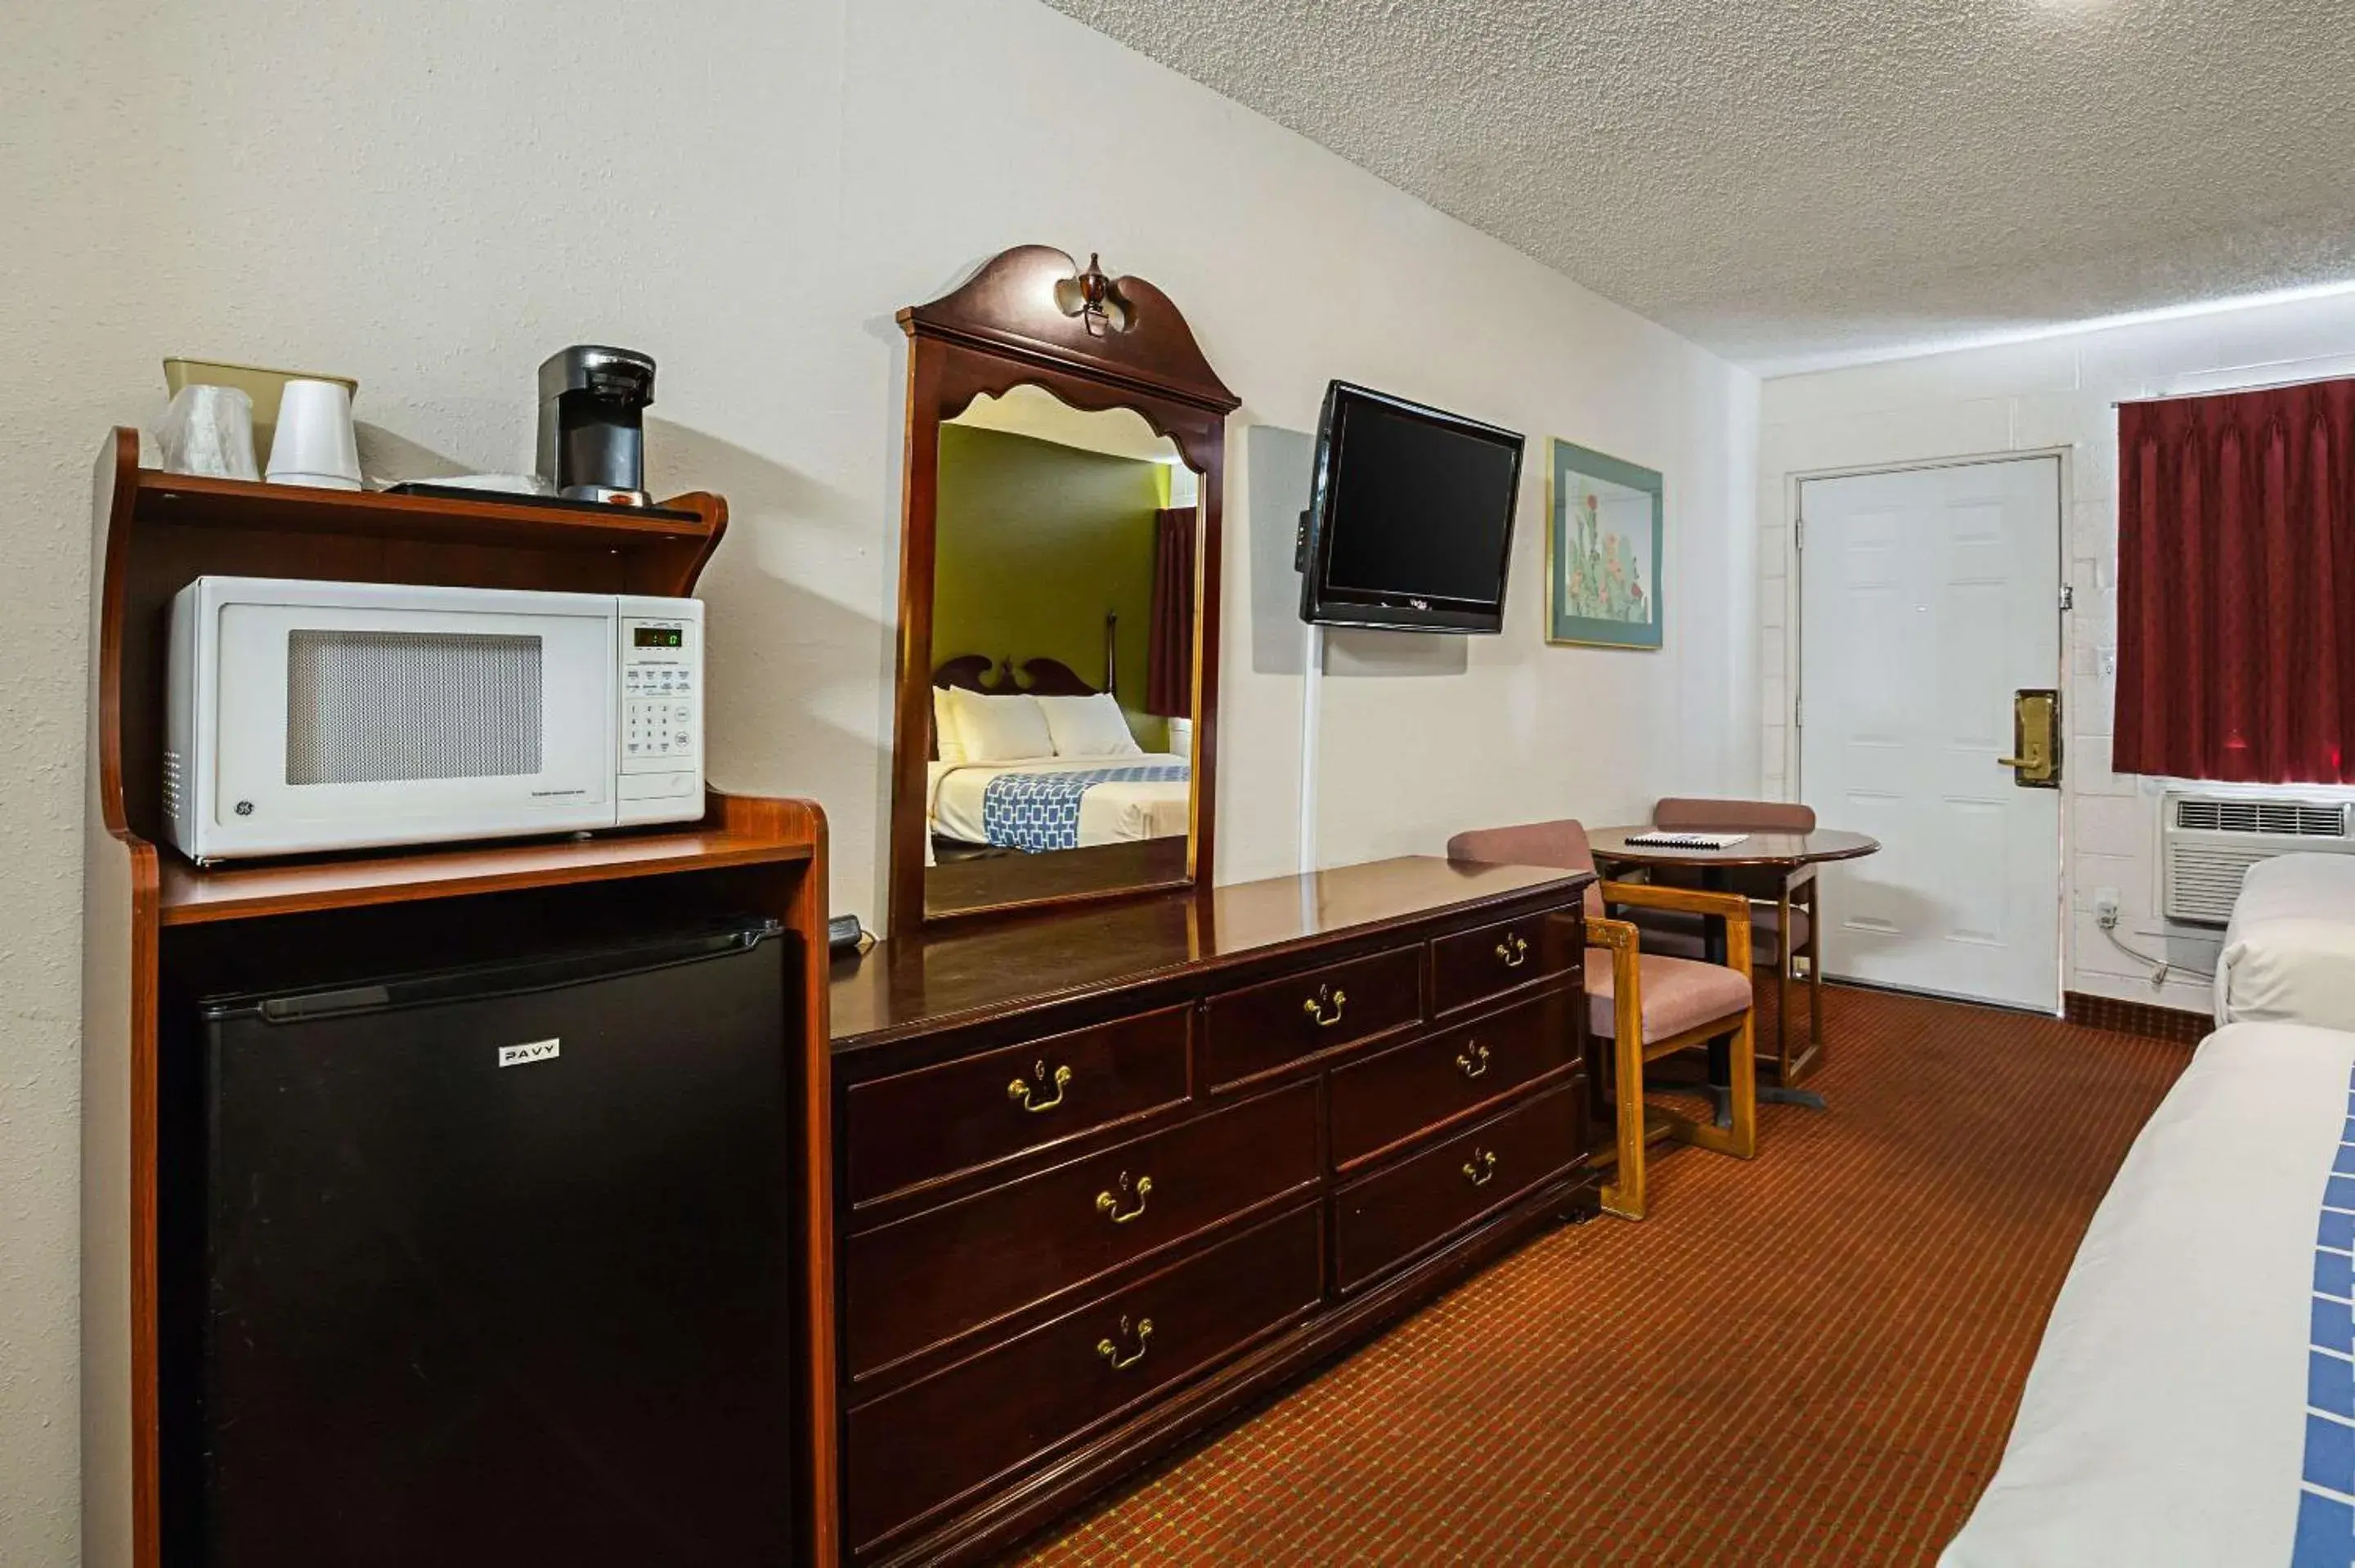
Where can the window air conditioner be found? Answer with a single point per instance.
(2209, 842)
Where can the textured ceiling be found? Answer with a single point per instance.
(1808, 180)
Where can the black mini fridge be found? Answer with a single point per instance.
(490, 1267)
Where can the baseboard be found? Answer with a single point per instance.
(2138, 1018)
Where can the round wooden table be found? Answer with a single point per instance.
(1784, 852)
(1780, 859)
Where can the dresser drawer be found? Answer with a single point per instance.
(921, 1280)
(1264, 1028)
(936, 1121)
(1391, 1098)
(1398, 1212)
(1473, 966)
(920, 1447)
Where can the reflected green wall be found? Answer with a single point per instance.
(1036, 541)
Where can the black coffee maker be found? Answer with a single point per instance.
(592, 444)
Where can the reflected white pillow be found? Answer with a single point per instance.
(1001, 729)
(947, 740)
(1088, 727)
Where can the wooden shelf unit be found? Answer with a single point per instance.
(192, 894)
(156, 924)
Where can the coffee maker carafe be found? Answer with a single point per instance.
(591, 439)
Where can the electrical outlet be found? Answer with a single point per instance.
(2105, 907)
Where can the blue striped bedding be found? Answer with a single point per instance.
(1038, 811)
(2192, 1404)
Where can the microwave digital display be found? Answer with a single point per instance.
(659, 637)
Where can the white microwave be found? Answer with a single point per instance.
(325, 715)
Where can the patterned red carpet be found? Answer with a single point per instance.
(1811, 1359)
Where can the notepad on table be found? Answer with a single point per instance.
(1685, 840)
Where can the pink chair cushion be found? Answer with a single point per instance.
(1734, 816)
(1562, 845)
(1679, 994)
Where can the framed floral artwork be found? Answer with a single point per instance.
(1604, 545)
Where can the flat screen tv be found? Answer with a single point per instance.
(1410, 520)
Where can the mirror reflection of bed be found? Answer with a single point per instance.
(1063, 614)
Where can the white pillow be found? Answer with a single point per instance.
(1088, 727)
(1001, 729)
(947, 740)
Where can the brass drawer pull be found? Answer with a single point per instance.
(1108, 1204)
(1473, 1061)
(1513, 950)
(1109, 1350)
(1325, 1006)
(1481, 1168)
(1023, 1094)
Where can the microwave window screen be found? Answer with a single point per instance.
(375, 707)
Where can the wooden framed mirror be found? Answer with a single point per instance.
(1055, 735)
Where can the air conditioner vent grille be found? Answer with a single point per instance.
(2210, 842)
(2280, 818)
(2202, 882)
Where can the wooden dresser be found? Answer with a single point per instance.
(1103, 1174)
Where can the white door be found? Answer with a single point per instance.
(1926, 599)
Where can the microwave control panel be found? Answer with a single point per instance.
(661, 737)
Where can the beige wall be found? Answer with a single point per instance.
(432, 196)
(2055, 394)
(1036, 542)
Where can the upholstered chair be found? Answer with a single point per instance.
(1646, 1005)
(1783, 923)
(1684, 814)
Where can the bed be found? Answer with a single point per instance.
(2193, 1401)
(2289, 951)
(1037, 804)
(1107, 801)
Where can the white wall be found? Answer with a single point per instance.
(2052, 393)
(432, 196)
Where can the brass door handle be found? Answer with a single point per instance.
(1108, 1204)
(1109, 1350)
(1481, 1168)
(1326, 997)
(2035, 761)
(1024, 1094)
(1514, 950)
(1473, 1061)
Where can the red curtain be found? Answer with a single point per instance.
(2236, 587)
(1170, 657)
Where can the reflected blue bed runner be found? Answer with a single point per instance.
(1034, 811)
(2326, 1500)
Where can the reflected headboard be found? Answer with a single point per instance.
(997, 678)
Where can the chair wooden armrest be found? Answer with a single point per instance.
(1619, 936)
(1623, 941)
(1624, 1196)
(1731, 907)
(1691, 900)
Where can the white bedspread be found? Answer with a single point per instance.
(2289, 952)
(1110, 814)
(2166, 1423)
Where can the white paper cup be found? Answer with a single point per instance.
(314, 481)
(208, 430)
(314, 444)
